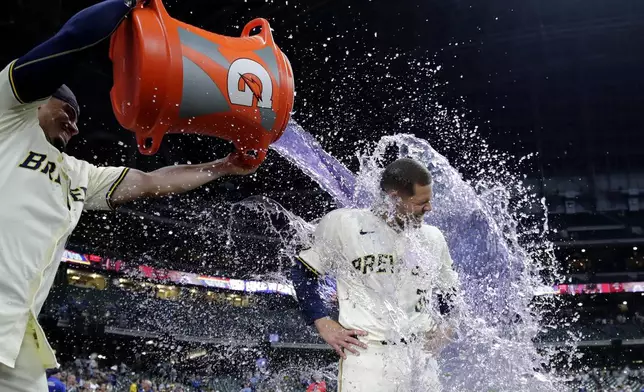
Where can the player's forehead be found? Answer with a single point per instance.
(422, 192)
(56, 103)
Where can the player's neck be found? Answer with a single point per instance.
(401, 223)
(392, 220)
(387, 212)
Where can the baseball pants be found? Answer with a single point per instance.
(389, 368)
(28, 375)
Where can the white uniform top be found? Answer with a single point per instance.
(384, 277)
(42, 195)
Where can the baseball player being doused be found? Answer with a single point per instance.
(43, 191)
(395, 286)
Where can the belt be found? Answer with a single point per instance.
(412, 339)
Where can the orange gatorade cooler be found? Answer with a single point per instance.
(173, 77)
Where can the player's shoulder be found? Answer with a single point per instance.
(78, 166)
(433, 233)
(74, 163)
(10, 104)
(344, 215)
(343, 219)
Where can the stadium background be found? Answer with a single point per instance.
(562, 79)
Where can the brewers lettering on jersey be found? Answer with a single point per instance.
(43, 191)
(389, 268)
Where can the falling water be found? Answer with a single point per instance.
(494, 349)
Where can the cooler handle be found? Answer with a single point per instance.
(266, 33)
(148, 144)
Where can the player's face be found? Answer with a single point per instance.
(58, 120)
(415, 207)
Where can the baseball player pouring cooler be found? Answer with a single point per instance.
(395, 286)
(43, 191)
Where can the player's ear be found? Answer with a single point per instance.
(392, 197)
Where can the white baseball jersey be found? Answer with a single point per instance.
(42, 195)
(384, 276)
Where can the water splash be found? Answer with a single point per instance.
(498, 271)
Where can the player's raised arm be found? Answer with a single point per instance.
(171, 180)
(310, 265)
(44, 69)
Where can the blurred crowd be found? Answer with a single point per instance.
(618, 326)
(86, 376)
(84, 309)
(139, 311)
(118, 308)
(607, 380)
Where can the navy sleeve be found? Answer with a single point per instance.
(307, 286)
(40, 72)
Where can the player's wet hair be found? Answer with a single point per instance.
(402, 174)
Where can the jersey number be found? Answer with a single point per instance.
(249, 83)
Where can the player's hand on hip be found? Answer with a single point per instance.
(340, 338)
(438, 339)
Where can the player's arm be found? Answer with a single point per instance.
(310, 265)
(107, 187)
(171, 180)
(40, 72)
(307, 287)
